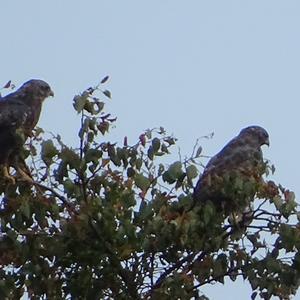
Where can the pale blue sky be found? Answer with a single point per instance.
(191, 66)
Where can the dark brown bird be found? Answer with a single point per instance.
(231, 177)
(19, 114)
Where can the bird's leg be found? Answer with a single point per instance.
(7, 176)
(24, 176)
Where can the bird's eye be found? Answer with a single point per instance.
(45, 88)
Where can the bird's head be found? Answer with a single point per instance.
(257, 134)
(37, 89)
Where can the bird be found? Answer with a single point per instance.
(19, 114)
(231, 177)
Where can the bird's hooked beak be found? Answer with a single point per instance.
(51, 93)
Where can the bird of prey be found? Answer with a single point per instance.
(231, 177)
(19, 114)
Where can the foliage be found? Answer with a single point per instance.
(111, 221)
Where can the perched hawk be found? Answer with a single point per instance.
(19, 113)
(231, 177)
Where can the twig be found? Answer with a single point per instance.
(60, 197)
(177, 265)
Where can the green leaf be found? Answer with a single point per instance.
(138, 163)
(254, 283)
(93, 155)
(25, 209)
(7, 85)
(168, 178)
(164, 148)
(288, 237)
(175, 170)
(90, 137)
(48, 151)
(208, 212)
(130, 172)
(170, 140)
(69, 187)
(220, 267)
(142, 182)
(199, 151)
(272, 265)
(100, 106)
(277, 202)
(107, 93)
(89, 107)
(104, 79)
(79, 102)
(191, 172)
(150, 153)
(155, 144)
(70, 157)
(123, 155)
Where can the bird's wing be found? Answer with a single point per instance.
(13, 114)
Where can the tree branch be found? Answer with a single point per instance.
(188, 259)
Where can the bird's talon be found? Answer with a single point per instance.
(25, 179)
(10, 179)
(7, 177)
(24, 176)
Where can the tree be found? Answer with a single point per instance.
(112, 221)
